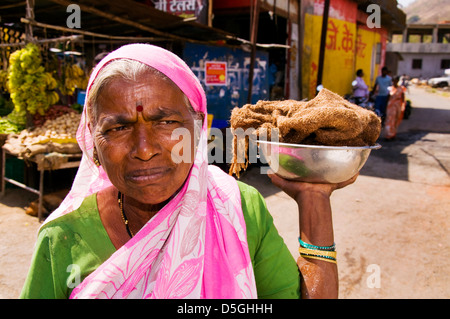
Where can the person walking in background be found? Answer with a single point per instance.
(404, 81)
(395, 109)
(382, 83)
(360, 88)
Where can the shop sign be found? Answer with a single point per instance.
(183, 8)
(215, 73)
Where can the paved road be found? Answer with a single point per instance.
(391, 225)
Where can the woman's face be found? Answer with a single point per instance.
(135, 147)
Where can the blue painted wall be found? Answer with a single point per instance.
(222, 99)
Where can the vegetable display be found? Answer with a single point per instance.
(31, 88)
(30, 110)
(7, 127)
(52, 113)
(62, 129)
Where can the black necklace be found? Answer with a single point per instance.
(124, 217)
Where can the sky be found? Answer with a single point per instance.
(404, 3)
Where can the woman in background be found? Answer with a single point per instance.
(360, 88)
(395, 109)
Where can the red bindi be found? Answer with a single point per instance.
(139, 108)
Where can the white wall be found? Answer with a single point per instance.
(431, 65)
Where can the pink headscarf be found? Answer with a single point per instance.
(194, 247)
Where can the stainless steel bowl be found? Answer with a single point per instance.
(315, 163)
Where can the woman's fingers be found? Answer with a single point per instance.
(347, 182)
(292, 188)
(289, 187)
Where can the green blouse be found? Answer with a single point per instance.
(80, 239)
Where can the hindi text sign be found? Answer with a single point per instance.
(215, 73)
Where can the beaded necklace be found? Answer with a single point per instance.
(124, 216)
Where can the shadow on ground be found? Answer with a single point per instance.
(390, 161)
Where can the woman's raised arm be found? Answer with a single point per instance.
(317, 261)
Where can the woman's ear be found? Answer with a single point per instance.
(91, 128)
(200, 116)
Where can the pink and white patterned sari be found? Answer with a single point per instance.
(196, 246)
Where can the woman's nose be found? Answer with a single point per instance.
(145, 144)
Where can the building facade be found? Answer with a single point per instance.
(422, 52)
(355, 38)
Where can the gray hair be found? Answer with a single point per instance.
(126, 69)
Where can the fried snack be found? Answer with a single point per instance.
(328, 119)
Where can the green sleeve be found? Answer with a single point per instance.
(67, 250)
(44, 280)
(276, 272)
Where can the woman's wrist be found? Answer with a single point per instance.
(315, 218)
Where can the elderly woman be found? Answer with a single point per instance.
(147, 217)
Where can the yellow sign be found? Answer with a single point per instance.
(348, 48)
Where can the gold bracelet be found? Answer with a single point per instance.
(319, 253)
(320, 258)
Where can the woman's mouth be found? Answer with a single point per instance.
(147, 176)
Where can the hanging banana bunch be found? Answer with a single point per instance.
(52, 84)
(31, 88)
(74, 77)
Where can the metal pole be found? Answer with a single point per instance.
(3, 172)
(287, 81)
(41, 193)
(254, 18)
(300, 49)
(29, 14)
(323, 39)
(210, 13)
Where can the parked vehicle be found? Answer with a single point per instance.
(439, 82)
(442, 81)
(366, 103)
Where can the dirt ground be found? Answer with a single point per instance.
(391, 225)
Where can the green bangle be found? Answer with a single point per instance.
(309, 246)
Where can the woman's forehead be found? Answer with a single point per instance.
(123, 100)
(143, 90)
(161, 60)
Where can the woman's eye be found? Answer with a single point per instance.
(117, 128)
(167, 122)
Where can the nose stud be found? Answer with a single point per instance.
(139, 108)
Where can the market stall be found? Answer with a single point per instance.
(46, 60)
(51, 146)
(40, 114)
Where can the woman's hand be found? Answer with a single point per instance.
(319, 278)
(295, 189)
